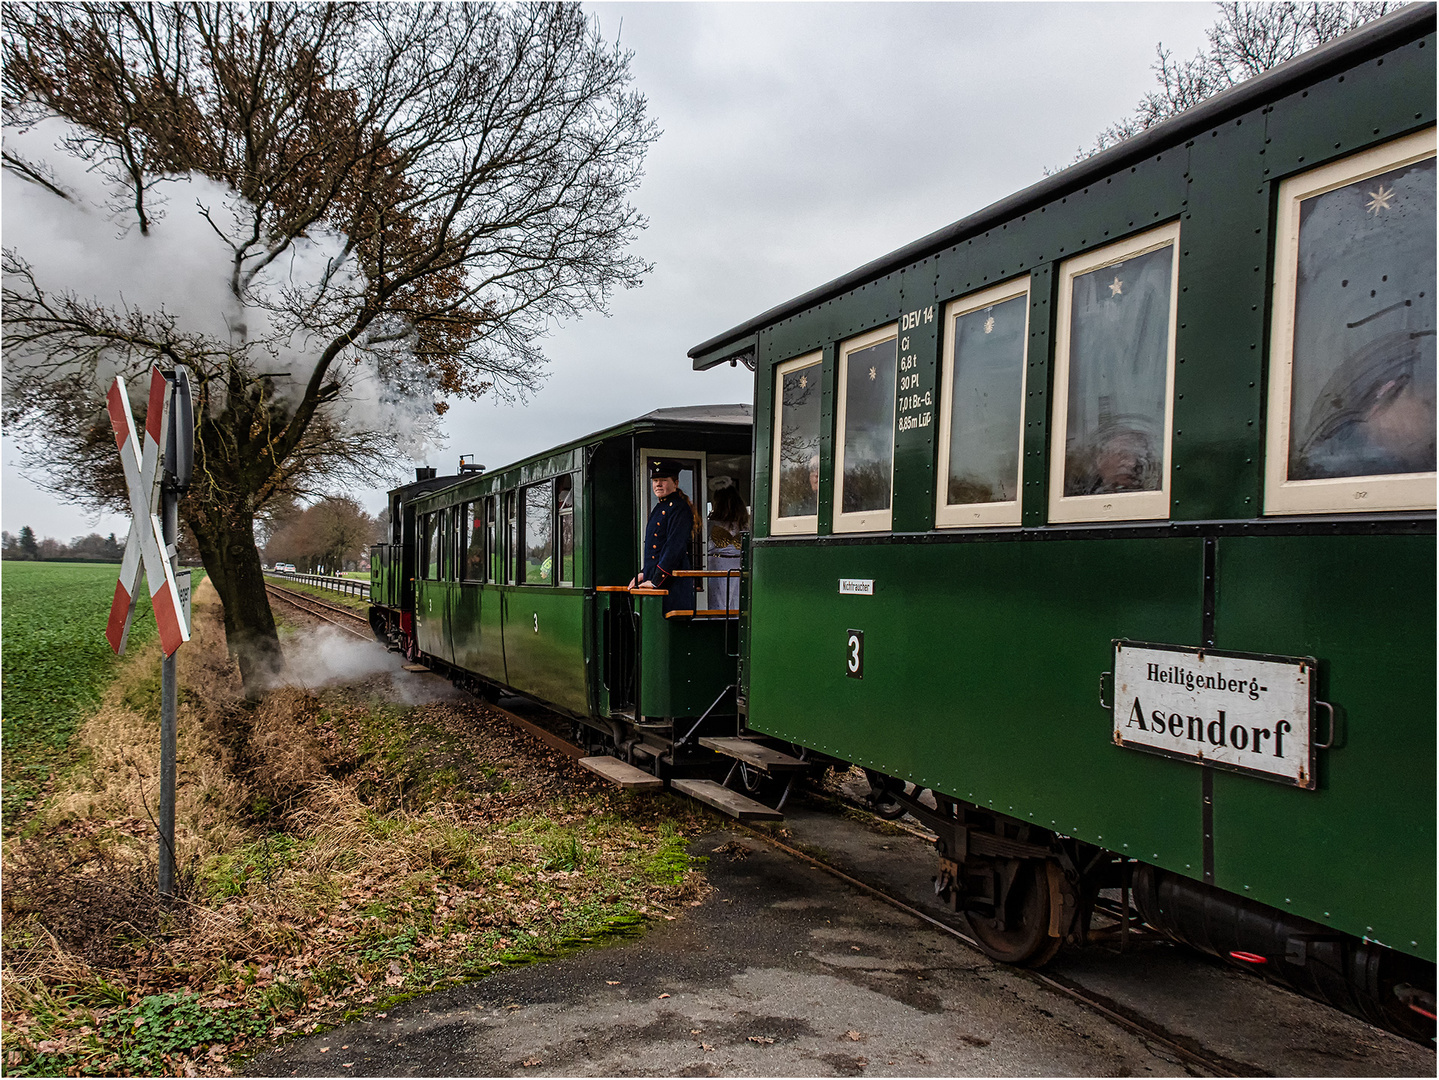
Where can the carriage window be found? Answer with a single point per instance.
(865, 467)
(981, 426)
(539, 534)
(512, 546)
(447, 545)
(472, 540)
(565, 508)
(430, 546)
(1114, 381)
(492, 545)
(794, 502)
(1351, 399)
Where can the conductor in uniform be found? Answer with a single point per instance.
(671, 529)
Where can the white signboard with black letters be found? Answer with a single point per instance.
(1238, 711)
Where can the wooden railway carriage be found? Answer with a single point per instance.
(1107, 515)
(520, 584)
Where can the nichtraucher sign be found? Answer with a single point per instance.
(1239, 711)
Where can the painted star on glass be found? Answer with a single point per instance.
(872, 374)
(1116, 286)
(989, 325)
(803, 381)
(1379, 200)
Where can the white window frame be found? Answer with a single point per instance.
(1117, 505)
(804, 524)
(1340, 494)
(971, 515)
(864, 520)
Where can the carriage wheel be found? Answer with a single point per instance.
(1024, 938)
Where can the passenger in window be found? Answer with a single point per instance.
(1364, 357)
(1119, 457)
(672, 526)
(729, 519)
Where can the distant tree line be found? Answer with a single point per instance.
(92, 548)
(329, 536)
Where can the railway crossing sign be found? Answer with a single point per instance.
(146, 547)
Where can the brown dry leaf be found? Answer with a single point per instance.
(763, 1040)
(530, 1063)
(706, 1047)
(612, 982)
(853, 1036)
(664, 995)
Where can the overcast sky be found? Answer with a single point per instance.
(800, 141)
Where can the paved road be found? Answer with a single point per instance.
(785, 971)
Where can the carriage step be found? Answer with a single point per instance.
(730, 802)
(413, 667)
(756, 755)
(622, 773)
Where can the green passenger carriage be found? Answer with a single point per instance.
(1106, 517)
(516, 579)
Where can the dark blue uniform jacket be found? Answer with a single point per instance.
(667, 548)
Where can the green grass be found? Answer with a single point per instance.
(56, 663)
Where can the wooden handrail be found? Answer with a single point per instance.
(612, 588)
(704, 573)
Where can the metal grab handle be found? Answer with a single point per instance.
(1107, 705)
(1330, 708)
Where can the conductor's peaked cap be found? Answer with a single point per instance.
(664, 467)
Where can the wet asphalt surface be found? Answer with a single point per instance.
(784, 970)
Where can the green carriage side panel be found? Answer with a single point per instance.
(685, 663)
(544, 642)
(981, 674)
(467, 632)
(450, 590)
(430, 617)
(609, 514)
(1357, 853)
(491, 657)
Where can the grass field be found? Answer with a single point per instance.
(55, 662)
(337, 852)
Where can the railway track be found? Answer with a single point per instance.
(1182, 1049)
(345, 619)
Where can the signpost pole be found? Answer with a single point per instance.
(176, 477)
(170, 503)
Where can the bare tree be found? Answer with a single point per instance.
(400, 199)
(1246, 40)
(329, 534)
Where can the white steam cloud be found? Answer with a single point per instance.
(88, 244)
(326, 656)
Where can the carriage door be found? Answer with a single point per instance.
(692, 483)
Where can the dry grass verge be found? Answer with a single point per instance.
(338, 850)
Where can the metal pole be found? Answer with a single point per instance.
(170, 518)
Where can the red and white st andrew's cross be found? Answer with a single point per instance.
(147, 540)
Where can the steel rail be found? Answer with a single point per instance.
(291, 599)
(1219, 1066)
(1212, 1063)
